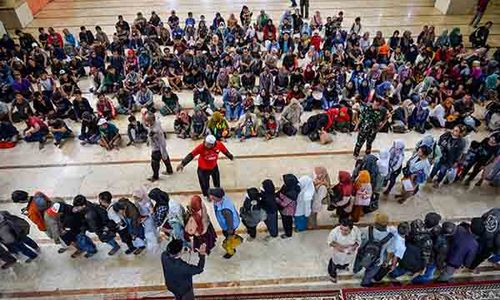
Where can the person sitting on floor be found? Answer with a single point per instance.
(110, 137)
(136, 131)
(36, 131)
(59, 129)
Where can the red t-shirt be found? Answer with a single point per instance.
(208, 157)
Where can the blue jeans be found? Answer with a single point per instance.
(85, 244)
(439, 169)
(35, 137)
(26, 246)
(427, 276)
(113, 243)
(59, 136)
(233, 112)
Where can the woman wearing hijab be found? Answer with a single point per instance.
(287, 202)
(304, 203)
(396, 158)
(415, 173)
(383, 169)
(167, 214)
(218, 126)
(322, 184)
(268, 196)
(362, 194)
(343, 192)
(251, 212)
(145, 207)
(419, 116)
(198, 228)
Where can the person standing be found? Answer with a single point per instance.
(480, 9)
(207, 162)
(304, 9)
(179, 274)
(158, 147)
(286, 199)
(228, 219)
(344, 241)
(372, 118)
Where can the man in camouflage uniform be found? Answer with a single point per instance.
(371, 119)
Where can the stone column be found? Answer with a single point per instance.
(456, 7)
(15, 13)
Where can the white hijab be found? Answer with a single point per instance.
(304, 200)
(383, 163)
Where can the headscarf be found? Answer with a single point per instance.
(160, 197)
(428, 141)
(199, 214)
(363, 178)
(305, 196)
(321, 177)
(140, 193)
(291, 187)
(252, 199)
(383, 162)
(268, 192)
(397, 155)
(345, 183)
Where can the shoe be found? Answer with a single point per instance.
(5, 266)
(269, 238)
(61, 250)
(76, 254)
(130, 250)
(435, 185)
(40, 145)
(249, 239)
(89, 255)
(227, 256)
(38, 250)
(113, 251)
(152, 179)
(130, 143)
(139, 250)
(30, 260)
(284, 236)
(167, 172)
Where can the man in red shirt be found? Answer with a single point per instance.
(207, 162)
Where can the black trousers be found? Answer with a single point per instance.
(204, 179)
(304, 8)
(5, 255)
(155, 164)
(251, 230)
(287, 224)
(187, 296)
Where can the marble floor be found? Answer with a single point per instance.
(298, 263)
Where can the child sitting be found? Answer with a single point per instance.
(137, 133)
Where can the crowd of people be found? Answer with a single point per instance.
(251, 78)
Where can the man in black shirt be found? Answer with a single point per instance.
(178, 273)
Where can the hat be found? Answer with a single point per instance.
(470, 122)
(210, 139)
(102, 121)
(62, 72)
(217, 192)
(381, 219)
(33, 45)
(175, 246)
(432, 219)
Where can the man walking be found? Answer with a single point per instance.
(158, 147)
(207, 162)
(372, 118)
(480, 9)
(178, 273)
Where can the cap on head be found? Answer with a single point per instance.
(102, 121)
(210, 139)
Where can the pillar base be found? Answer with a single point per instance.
(456, 7)
(15, 14)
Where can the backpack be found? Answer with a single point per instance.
(370, 253)
(289, 129)
(19, 196)
(20, 226)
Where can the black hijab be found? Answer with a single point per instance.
(160, 197)
(291, 187)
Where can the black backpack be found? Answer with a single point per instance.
(19, 196)
(20, 226)
(289, 129)
(370, 253)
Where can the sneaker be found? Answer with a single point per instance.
(5, 266)
(130, 250)
(76, 254)
(113, 251)
(284, 236)
(139, 250)
(61, 250)
(152, 179)
(89, 255)
(167, 172)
